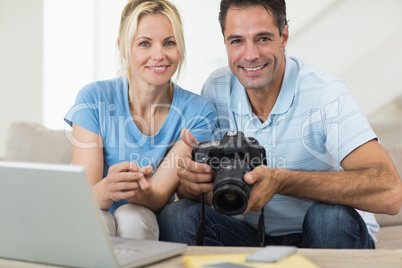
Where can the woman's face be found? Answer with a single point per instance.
(154, 53)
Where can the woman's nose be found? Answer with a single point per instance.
(158, 53)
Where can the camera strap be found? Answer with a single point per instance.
(261, 228)
(200, 234)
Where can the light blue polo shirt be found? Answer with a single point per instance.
(314, 124)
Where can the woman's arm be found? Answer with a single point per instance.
(121, 180)
(163, 183)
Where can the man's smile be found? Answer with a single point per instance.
(253, 69)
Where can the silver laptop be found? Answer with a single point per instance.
(48, 214)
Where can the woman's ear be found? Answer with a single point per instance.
(118, 43)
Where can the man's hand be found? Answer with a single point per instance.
(195, 178)
(263, 187)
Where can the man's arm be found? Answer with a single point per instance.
(369, 182)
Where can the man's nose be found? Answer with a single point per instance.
(251, 52)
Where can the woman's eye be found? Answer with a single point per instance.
(144, 44)
(170, 43)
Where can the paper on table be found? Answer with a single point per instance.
(294, 260)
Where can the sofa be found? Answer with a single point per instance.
(31, 142)
(389, 236)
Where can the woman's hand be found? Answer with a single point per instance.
(144, 184)
(123, 181)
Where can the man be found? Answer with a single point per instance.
(326, 170)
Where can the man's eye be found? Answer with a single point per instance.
(235, 41)
(264, 39)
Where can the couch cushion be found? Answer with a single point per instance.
(31, 142)
(386, 220)
(395, 152)
(389, 237)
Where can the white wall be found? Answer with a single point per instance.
(87, 50)
(340, 36)
(69, 55)
(21, 65)
(358, 41)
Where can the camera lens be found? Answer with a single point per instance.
(230, 193)
(231, 197)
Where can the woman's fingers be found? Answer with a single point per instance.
(145, 185)
(126, 179)
(116, 196)
(123, 167)
(146, 170)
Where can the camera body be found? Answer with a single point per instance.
(231, 158)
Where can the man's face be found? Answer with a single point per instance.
(255, 48)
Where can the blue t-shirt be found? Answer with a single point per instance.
(314, 124)
(103, 108)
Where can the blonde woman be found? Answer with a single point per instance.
(127, 130)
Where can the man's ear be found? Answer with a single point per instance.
(285, 36)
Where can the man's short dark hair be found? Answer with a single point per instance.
(275, 7)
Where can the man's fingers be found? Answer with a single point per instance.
(186, 175)
(253, 176)
(196, 188)
(186, 163)
(188, 138)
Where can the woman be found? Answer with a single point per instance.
(127, 130)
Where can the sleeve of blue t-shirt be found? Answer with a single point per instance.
(85, 111)
(203, 125)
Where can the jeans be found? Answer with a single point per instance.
(325, 226)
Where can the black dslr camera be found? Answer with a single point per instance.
(231, 158)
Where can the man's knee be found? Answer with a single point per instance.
(179, 210)
(328, 215)
(334, 226)
(179, 220)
